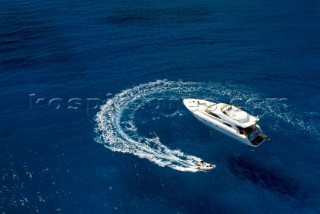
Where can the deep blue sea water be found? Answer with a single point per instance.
(92, 119)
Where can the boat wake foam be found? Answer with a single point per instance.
(117, 131)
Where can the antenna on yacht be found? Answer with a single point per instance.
(262, 115)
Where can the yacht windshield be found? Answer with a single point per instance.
(212, 108)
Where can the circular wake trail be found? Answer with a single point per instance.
(125, 139)
(117, 131)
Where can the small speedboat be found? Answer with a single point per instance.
(204, 166)
(228, 119)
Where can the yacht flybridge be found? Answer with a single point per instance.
(228, 119)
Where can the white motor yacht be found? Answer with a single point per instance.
(228, 119)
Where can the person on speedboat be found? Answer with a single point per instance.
(200, 163)
(210, 165)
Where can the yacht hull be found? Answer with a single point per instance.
(221, 129)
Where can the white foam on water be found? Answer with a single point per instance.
(281, 112)
(117, 131)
